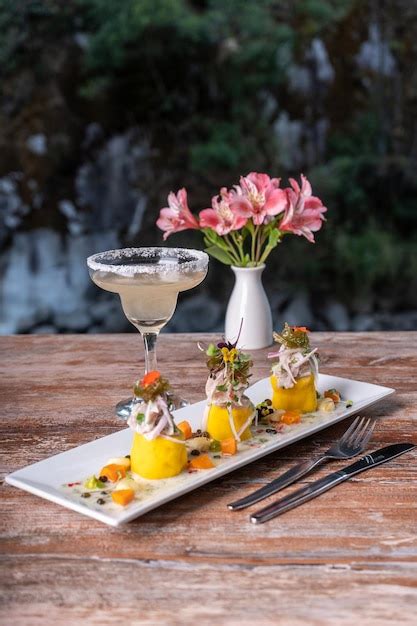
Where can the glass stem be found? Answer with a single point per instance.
(149, 339)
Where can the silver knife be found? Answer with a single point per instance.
(287, 478)
(328, 482)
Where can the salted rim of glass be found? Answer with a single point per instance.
(102, 261)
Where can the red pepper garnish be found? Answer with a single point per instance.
(150, 378)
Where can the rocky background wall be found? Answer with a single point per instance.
(106, 106)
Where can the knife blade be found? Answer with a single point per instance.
(328, 482)
(287, 478)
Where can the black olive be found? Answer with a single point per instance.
(206, 434)
(268, 402)
(103, 493)
(127, 456)
(271, 431)
(216, 456)
(85, 494)
(198, 431)
(101, 501)
(103, 479)
(195, 452)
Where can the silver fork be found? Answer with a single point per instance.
(352, 443)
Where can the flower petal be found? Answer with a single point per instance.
(276, 202)
(208, 218)
(241, 206)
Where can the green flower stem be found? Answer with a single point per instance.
(254, 233)
(260, 238)
(268, 250)
(230, 243)
(237, 240)
(214, 240)
(230, 248)
(266, 254)
(233, 254)
(263, 238)
(258, 235)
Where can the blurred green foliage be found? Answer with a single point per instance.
(22, 22)
(207, 81)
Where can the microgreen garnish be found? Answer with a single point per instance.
(151, 386)
(234, 363)
(221, 387)
(293, 337)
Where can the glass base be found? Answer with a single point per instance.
(124, 407)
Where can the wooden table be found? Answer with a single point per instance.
(348, 557)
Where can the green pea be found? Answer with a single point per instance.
(215, 446)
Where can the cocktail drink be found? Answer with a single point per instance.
(148, 281)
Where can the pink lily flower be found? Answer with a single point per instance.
(177, 216)
(221, 218)
(258, 196)
(304, 213)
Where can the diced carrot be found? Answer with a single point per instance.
(228, 446)
(123, 496)
(291, 417)
(186, 429)
(113, 472)
(201, 462)
(150, 378)
(333, 394)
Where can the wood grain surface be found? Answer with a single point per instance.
(348, 557)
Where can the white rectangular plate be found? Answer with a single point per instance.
(46, 478)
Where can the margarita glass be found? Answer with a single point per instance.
(148, 281)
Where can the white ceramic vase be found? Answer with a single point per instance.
(249, 302)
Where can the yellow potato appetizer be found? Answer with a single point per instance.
(218, 424)
(301, 397)
(157, 458)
